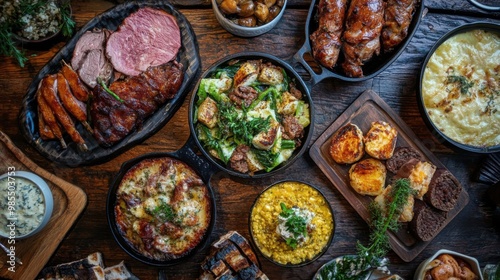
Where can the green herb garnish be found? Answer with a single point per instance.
(295, 224)
(163, 212)
(352, 267)
(105, 87)
(12, 23)
(461, 81)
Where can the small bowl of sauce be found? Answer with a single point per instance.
(26, 204)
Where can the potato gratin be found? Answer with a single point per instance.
(162, 208)
(461, 88)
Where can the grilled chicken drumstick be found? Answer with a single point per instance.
(325, 40)
(49, 93)
(75, 107)
(46, 115)
(397, 19)
(361, 39)
(77, 87)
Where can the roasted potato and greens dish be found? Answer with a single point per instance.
(250, 115)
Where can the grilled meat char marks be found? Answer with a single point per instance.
(142, 95)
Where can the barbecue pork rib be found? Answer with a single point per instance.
(361, 39)
(142, 95)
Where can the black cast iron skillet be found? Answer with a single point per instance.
(204, 164)
(441, 137)
(72, 156)
(199, 166)
(300, 84)
(370, 69)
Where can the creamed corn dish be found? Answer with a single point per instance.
(162, 208)
(461, 88)
(267, 228)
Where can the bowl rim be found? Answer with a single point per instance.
(441, 137)
(41, 184)
(256, 30)
(476, 268)
(111, 218)
(306, 92)
(51, 36)
(320, 253)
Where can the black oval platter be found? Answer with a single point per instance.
(72, 156)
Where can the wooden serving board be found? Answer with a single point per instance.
(69, 202)
(367, 108)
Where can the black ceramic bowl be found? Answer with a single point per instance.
(304, 196)
(192, 160)
(370, 69)
(244, 56)
(442, 137)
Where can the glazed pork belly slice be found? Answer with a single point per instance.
(148, 37)
(142, 95)
(112, 120)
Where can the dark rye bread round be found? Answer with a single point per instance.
(401, 156)
(426, 221)
(444, 190)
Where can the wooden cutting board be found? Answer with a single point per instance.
(69, 202)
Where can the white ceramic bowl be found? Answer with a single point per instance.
(14, 185)
(420, 273)
(244, 31)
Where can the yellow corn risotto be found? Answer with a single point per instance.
(264, 221)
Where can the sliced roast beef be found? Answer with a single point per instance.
(148, 37)
(89, 59)
(444, 190)
(95, 64)
(142, 95)
(401, 156)
(427, 221)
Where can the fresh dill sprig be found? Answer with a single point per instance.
(461, 81)
(372, 256)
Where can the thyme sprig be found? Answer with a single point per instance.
(352, 267)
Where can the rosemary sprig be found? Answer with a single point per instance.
(8, 46)
(373, 255)
(68, 24)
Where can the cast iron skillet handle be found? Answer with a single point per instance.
(299, 58)
(198, 163)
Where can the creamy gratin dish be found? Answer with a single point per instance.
(461, 88)
(162, 208)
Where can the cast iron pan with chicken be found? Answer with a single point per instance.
(326, 26)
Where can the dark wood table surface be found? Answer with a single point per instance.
(475, 231)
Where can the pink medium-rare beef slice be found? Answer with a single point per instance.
(148, 37)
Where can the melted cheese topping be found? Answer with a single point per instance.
(162, 208)
(461, 88)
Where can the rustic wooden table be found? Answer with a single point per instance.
(475, 231)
